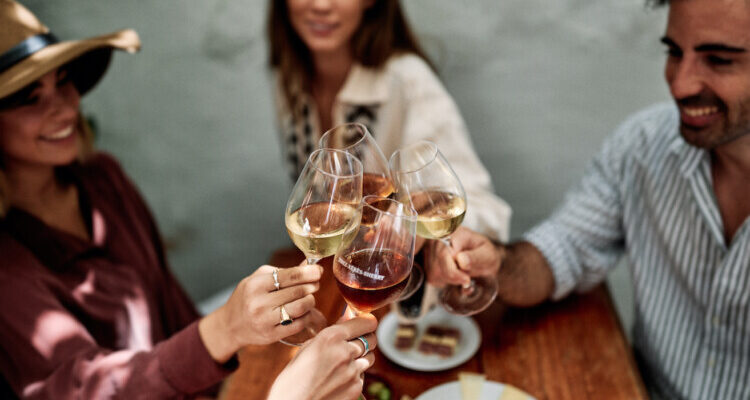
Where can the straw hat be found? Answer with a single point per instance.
(28, 51)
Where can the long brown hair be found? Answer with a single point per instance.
(382, 33)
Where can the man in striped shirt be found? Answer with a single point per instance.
(671, 191)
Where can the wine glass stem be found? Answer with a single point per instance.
(312, 260)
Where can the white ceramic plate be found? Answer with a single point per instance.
(452, 391)
(468, 344)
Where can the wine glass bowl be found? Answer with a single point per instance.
(356, 139)
(440, 213)
(375, 268)
(426, 181)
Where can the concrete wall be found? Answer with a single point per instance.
(540, 83)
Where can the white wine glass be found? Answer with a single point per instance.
(374, 268)
(424, 179)
(323, 212)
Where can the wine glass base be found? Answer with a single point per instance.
(459, 300)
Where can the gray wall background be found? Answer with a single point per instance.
(540, 84)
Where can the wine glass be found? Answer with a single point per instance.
(323, 212)
(374, 269)
(425, 179)
(356, 139)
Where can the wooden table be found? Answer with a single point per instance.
(572, 349)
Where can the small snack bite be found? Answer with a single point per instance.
(440, 340)
(406, 335)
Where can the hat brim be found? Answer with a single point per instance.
(53, 56)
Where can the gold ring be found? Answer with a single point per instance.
(285, 318)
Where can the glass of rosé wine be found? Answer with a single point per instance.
(355, 139)
(375, 267)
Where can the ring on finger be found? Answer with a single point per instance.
(285, 318)
(276, 283)
(366, 344)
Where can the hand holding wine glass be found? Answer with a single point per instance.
(471, 254)
(425, 180)
(323, 213)
(330, 366)
(251, 314)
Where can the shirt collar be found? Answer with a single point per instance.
(364, 85)
(690, 156)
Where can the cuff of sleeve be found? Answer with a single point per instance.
(186, 363)
(547, 241)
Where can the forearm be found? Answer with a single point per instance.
(212, 329)
(524, 279)
(175, 367)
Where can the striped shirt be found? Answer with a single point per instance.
(648, 195)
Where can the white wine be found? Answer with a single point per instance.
(320, 229)
(439, 213)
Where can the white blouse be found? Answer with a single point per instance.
(401, 103)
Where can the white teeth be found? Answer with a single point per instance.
(61, 134)
(699, 112)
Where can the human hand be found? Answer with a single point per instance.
(329, 366)
(252, 315)
(470, 254)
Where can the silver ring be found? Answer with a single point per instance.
(367, 345)
(285, 318)
(276, 283)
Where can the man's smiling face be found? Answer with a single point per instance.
(708, 69)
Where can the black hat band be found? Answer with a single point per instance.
(24, 49)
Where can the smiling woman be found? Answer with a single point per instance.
(88, 306)
(41, 129)
(344, 61)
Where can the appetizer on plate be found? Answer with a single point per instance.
(440, 340)
(406, 336)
